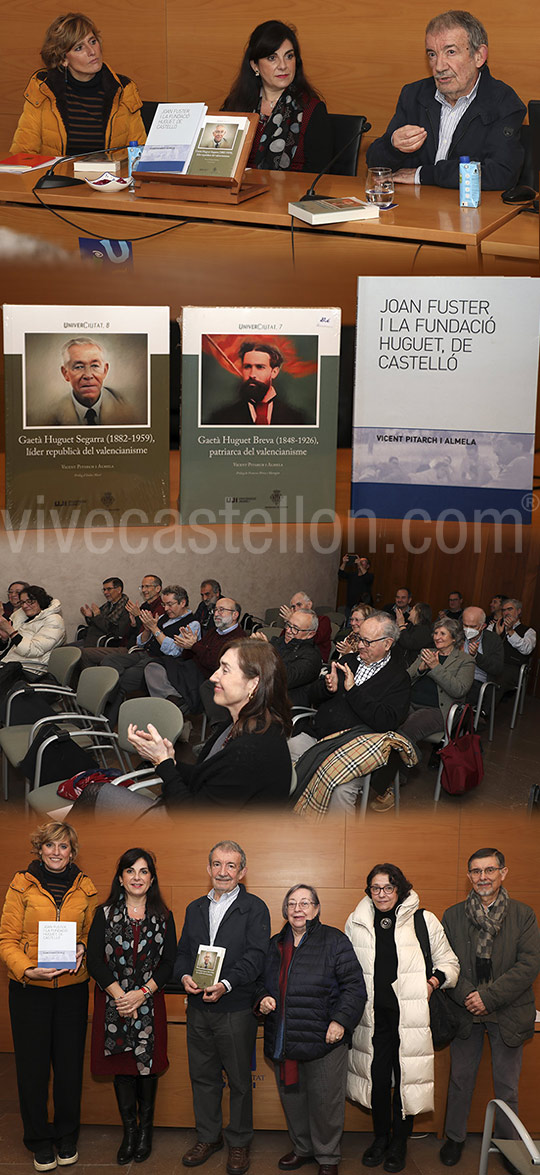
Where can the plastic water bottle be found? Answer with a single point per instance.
(134, 154)
(470, 176)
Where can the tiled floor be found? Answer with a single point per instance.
(98, 1146)
(510, 762)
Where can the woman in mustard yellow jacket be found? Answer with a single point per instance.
(77, 104)
(48, 1006)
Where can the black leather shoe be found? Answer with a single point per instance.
(450, 1152)
(292, 1161)
(375, 1153)
(396, 1155)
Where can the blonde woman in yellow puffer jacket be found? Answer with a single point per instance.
(77, 104)
(48, 1006)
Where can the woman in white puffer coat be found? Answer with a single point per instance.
(393, 1036)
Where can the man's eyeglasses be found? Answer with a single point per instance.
(377, 889)
(489, 871)
(362, 640)
(222, 611)
(296, 631)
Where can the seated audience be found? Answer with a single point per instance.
(297, 648)
(181, 677)
(496, 605)
(323, 634)
(415, 633)
(368, 689)
(28, 638)
(518, 641)
(356, 571)
(484, 647)
(401, 606)
(77, 104)
(455, 607)
(155, 643)
(461, 110)
(151, 586)
(13, 593)
(245, 762)
(294, 131)
(210, 593)
(347, 637)
(111, 619)
(440, 677)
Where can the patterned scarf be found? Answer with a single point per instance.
(124, 1034)
(488, 923)
(278, 142)
(112, 611)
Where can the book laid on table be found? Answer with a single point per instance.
(208, 965)
(92, 166)
(333, 209)
(26, 161)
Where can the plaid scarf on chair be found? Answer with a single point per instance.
(359, 756)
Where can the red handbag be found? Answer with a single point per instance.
(463, 766)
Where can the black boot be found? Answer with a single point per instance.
(146, 1093)
(125, 1088)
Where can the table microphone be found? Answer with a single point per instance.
(51, 180)
(311, 194)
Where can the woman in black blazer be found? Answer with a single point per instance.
(247, 760)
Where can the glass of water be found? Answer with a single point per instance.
(380, 186)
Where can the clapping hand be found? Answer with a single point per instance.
(430, 657)
(149, 621)
(348, 675)
(185, 639)
(150, 744)
(285, 612)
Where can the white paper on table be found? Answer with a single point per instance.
(57, 944)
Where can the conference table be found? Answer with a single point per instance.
(218, 254)
(513, 248)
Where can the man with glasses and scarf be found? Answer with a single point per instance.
(497, 942)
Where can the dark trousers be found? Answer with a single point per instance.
(220, 1041)
(387, 1112)
(506, 1067)
(49, 1028)
(315, 1107)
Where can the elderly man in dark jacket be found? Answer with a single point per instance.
(497, 942)
(221, 1027)
(314, 996)
(370, 688)
(461, 110)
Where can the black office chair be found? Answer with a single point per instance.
(344, 126)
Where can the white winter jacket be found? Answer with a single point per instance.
(410, 988)
(40, 635)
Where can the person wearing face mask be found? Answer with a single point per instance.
(484, 647)
(440, 676)
(48, 1006)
